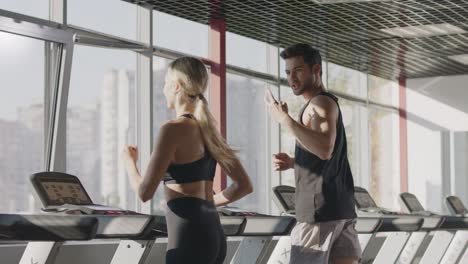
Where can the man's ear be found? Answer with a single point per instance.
(316, 69)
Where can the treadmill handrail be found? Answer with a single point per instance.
(287, 224)
(362, 224)
(404, 224)
(47, 227)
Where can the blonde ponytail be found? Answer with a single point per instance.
(191, 74)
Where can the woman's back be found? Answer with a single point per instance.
(190, 172)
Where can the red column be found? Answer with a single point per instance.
(218, 86)
(403, 136)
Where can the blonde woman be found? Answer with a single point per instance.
(185, 157)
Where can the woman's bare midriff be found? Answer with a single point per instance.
(200, 189)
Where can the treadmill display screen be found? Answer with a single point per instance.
(364, 200)
(56, 190)
(457, 205)
(289, 199)
(413, 204)
(65, 192)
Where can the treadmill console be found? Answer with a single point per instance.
(55, 189)
(285, 198)
(365, 203)
(61, 192)
(411, 203)
(455, 205)
(363, 199)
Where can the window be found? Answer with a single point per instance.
(21, 118)
(355, 118)
(35, 8)
(346, 81)
(161, 114)
(383, 91)
(180, 34)
(384, 143)
(251, 54)
(248, 126)
(108, 16)
(101, 119)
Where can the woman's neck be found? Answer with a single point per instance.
(182, 109)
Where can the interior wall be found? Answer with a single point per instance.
(437, 128)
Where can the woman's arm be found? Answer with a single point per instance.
(160, 160)
(240, 187)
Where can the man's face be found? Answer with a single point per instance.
(300, 75)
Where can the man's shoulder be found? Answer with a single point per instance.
(324, 100)
(322, 104)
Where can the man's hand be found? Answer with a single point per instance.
(279, 111)
(282, 161)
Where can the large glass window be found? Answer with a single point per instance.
(355, 117)
(108, 16)
(161, 114)
(247, 131)
(384, 141)
(180, 34)
(383, 91)
(35, 8)
(346, 81)
(250, 54)
(101, 119)
(22, 74)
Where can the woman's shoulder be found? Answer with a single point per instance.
(179, 126)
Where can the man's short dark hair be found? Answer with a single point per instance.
(311, 56)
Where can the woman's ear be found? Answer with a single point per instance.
(177, 87)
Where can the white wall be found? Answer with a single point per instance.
(437, 107)
(459, 166)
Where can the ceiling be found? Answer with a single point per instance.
(348, 34)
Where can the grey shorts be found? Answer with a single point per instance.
(324, 241)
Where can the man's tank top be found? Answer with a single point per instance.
(324, 188)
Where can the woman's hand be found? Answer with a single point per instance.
(130, 154)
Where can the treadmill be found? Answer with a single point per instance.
(63, 195)
(385, 244)
(285, 199)
(457, 251)
(429, 244)
(258, 234)
(51, 230)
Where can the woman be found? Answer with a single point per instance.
(185, 157)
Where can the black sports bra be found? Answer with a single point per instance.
(199, 170)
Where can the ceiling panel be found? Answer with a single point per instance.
(349, 34)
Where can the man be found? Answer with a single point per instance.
(325, 209)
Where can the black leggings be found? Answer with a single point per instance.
(195, 232)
